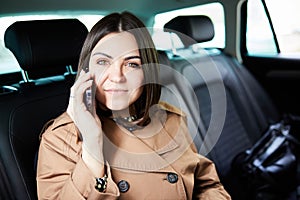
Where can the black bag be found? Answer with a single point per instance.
(268, 170)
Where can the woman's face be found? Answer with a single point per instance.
(116, 65)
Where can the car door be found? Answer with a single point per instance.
(270, 49)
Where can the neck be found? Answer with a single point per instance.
(122, 114)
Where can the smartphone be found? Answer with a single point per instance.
(89, 96)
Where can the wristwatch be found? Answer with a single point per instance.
(101, 183)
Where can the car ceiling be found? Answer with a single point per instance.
(145, 9)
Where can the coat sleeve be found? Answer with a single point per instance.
(61, 172)
(207, 184)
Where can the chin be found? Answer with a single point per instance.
(117, 107)
(118, 104)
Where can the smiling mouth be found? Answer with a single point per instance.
(115, 90)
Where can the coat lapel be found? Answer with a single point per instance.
(126, 151)
(153, 148)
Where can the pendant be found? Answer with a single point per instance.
(126, 122)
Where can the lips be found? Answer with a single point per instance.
(115, 90)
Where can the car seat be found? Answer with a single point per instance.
(46, 51)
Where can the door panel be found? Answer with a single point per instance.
(278, 72)
(280, 76)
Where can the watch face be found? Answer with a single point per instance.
(101, 184)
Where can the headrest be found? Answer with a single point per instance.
(45, 43)
(198, 27)
(164, 76)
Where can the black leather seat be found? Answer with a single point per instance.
(46, 50)
(233, 117)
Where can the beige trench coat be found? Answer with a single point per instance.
(156, 162)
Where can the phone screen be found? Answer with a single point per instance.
(88, 98)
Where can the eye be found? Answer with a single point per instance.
(133, 65)
(103, 62)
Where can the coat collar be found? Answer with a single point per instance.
(61, 120)
(151, 149)
(65, 119)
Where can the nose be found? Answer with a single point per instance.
(116, 73)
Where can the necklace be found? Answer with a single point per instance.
(126, 122)
(128, 119)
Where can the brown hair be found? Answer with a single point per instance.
(125, 21)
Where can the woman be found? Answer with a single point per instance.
(124, 144)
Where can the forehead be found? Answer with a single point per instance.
(117, 44)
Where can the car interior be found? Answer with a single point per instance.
(231, 97)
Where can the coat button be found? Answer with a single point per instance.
(123, 186)
(172, 177)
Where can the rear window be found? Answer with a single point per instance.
(161, 39)
(213, 10)
(8, 62)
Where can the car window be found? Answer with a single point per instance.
(259, 36)
(162, 40)
(8, 63)
(167, 41)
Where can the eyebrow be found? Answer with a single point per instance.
(110, 57)
(103, 54)
(132, 57)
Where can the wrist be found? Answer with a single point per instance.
(101, 184)
(94, 162)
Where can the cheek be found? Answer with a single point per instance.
(99, 79)
(98, 74)
(100, 95)
(135, 84)
(135, 79)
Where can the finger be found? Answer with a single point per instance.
(76, 98)
(80, 91)
(83, 77)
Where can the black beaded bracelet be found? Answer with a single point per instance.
(101, 183)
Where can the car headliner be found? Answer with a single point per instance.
(143, 8)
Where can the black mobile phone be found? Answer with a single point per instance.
(89, 96)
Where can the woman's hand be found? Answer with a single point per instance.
(87, 123)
